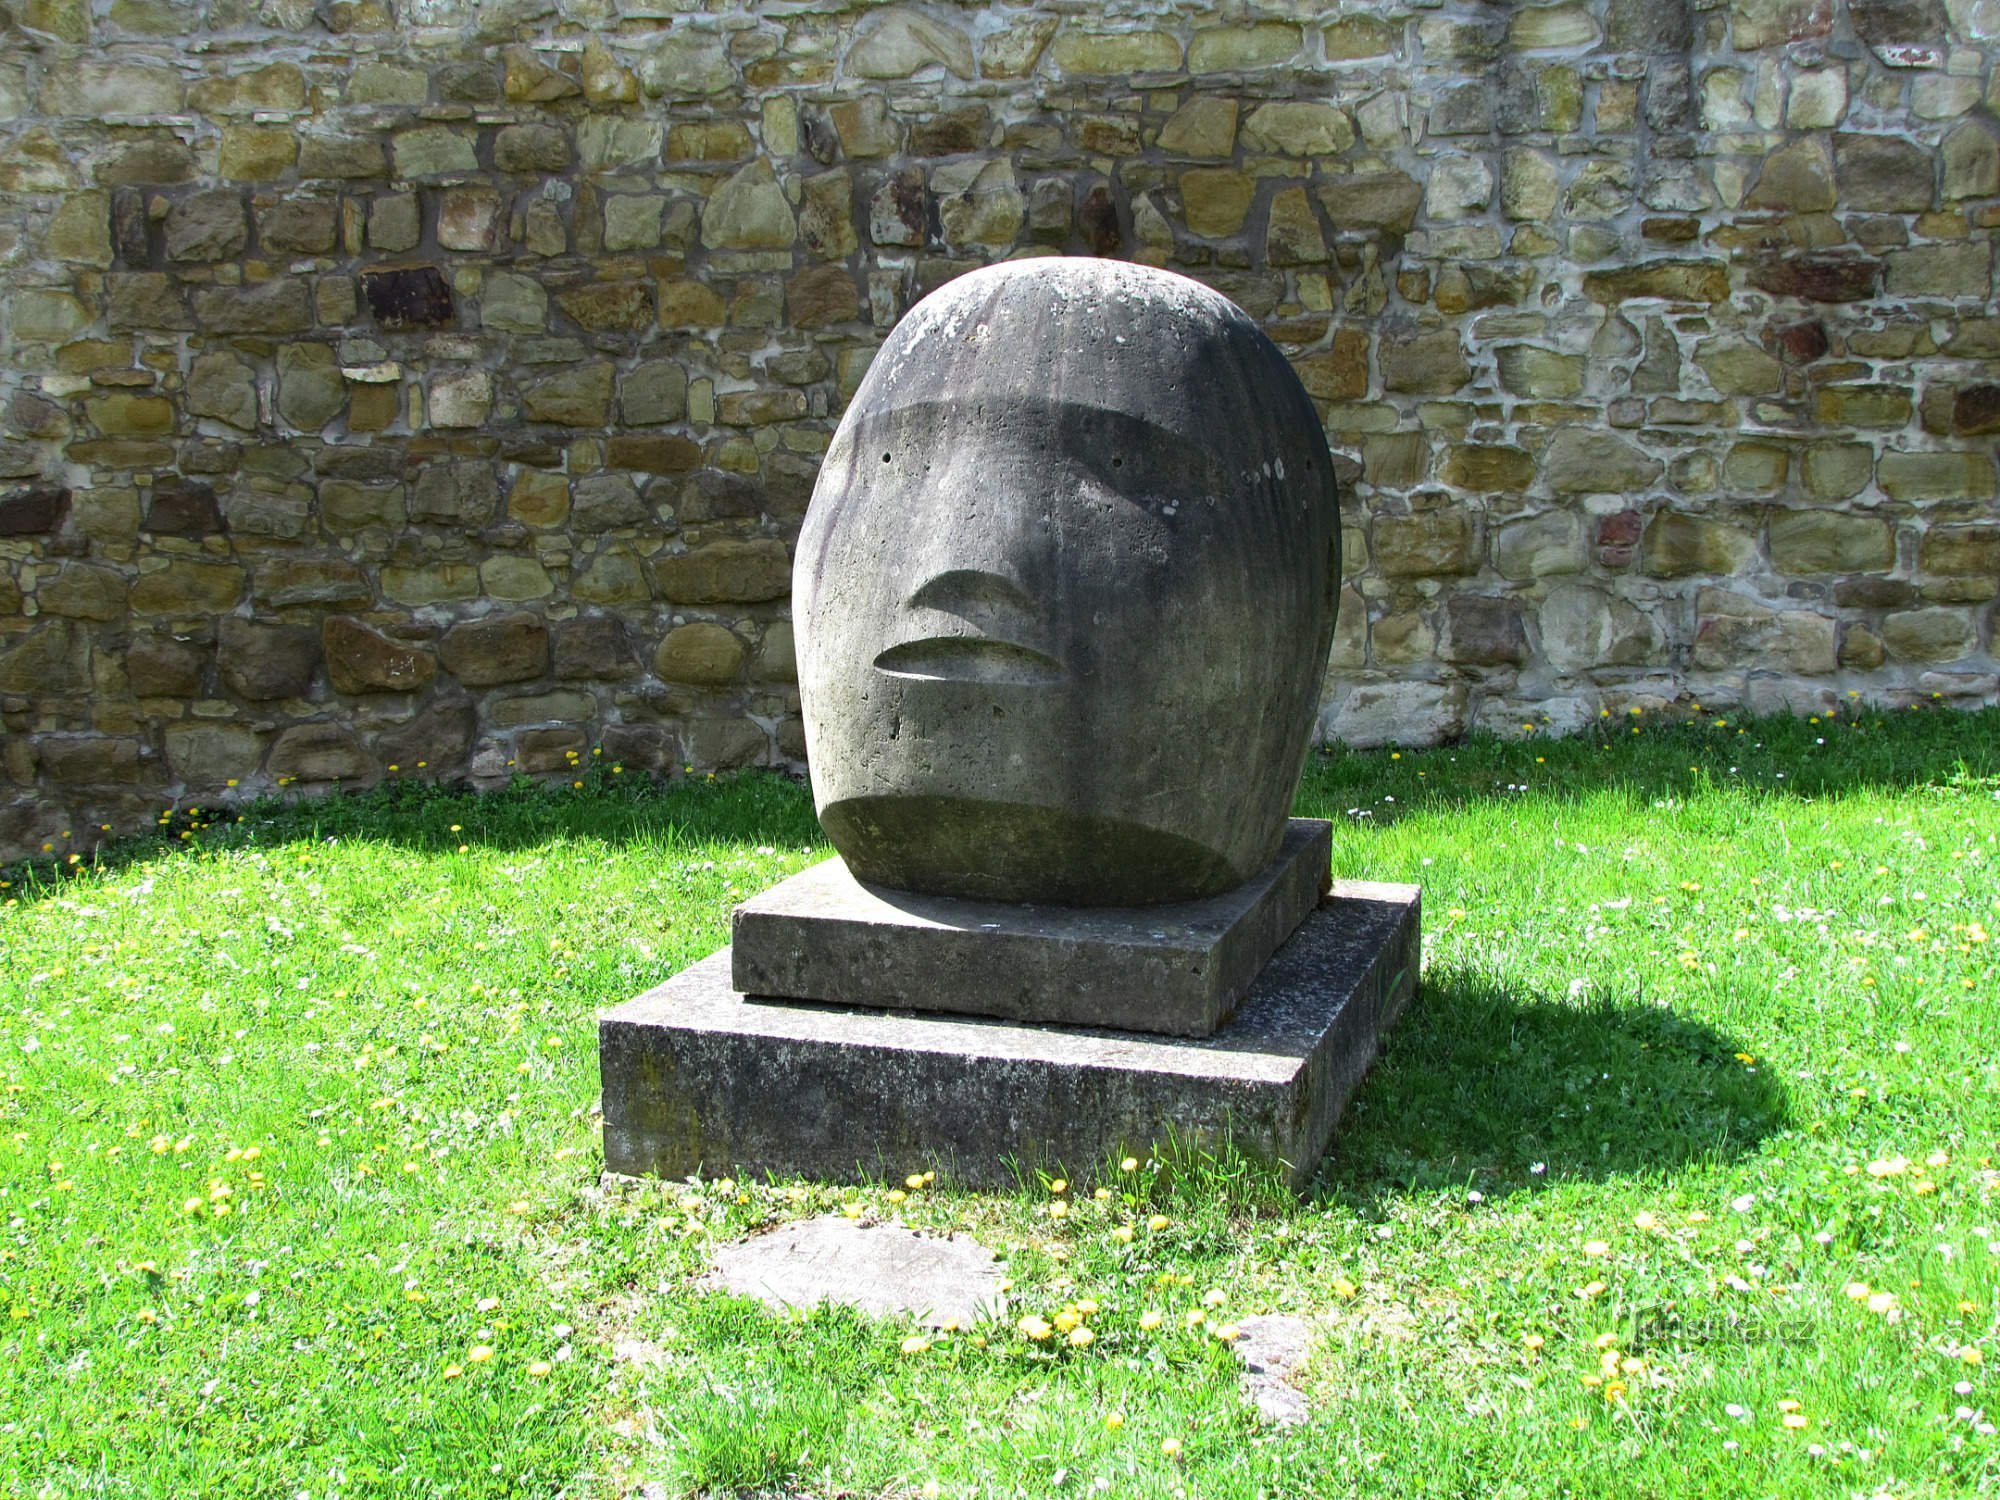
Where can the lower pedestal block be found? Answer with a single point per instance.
(699, 1077)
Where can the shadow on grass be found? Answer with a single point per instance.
(742, 807)
(1778, 758)
(1479, 1087)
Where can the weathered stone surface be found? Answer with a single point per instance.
(978, 203)
(263, 661)
(687, 65)
(1678, 545)
(1430, 364)
(1883, 173)
(320, 753)
(1272, 1082)
(904, 41)
(1819, 278)
(578, 397)
(1178, 969)
(703, 654)
(1929, 635)
(211, 755)
(496, 649)
(1936, 476)
(182, 507)
(1298, 128)
(408, 297)
(311, 389)
(1736, 367)
(726, 573)
(1484, 631)
(1671, 280)
(1962, 551)
(882, 1269)
(1432, 543)
(1582, 461)
(1373, 200)
(275, 307)
(184, 587)
(1733, 630)
(433, 151)
(362, 659)
(609, 306)
(749, 211)
(1583, 627)
(1203, 127)
(1817, 541)
(82, 591)
(845, 605)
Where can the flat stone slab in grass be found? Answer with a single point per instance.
(699, 1077)
(1272, 1346)
(1178, 968)
(878, 1268)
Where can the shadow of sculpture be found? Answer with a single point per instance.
(1483, 1088)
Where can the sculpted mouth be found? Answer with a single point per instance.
(969, 659)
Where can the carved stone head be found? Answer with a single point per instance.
(1065, 592)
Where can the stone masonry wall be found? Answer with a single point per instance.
(421, 387)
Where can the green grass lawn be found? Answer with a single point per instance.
(1679, 1178)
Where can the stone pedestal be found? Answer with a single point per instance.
(699, 1076)
(1178, 968)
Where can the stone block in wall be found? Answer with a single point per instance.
(162, 666)
(362, 659)
(1735, 631)
(1875, 406)
(1587, 461)
(1484, 631)
(1584, 627)
(50, 660)
(210, 755)
(700, 654)
(1929, 635)
(1960, 270)
(593, 646)
(577, 397)
(1964, 551)
(433, 742)
(319, 753)
(1701, 281)
(1936, 476)
(496, 649)
(261, 661)
(83, 591)
(90, 760)
(1827, 541)
(184, 587)
(726, 572)
(1679, 545)
(1428, 544)
(36, 511)
(1401, 713)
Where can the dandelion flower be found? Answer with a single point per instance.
(1171, 1447)
(1035, 1327)
(1596, 1248)
(479, 1354)
(916, 1343)
(540, 1368)
(1122, 1234)
(1151, 1319)
(452, 1372)
(1158, 1222)
(1532, 1341)
(1130, 1164)
(1114, 1420)
(1081, 1337)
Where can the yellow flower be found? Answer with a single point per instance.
(1171, 1447)
(539, 1368)
(1228, 1333)
(1068, 1319)
(914, 1181)
(916, 1343)
(1122, 1234)
(1151, 1319)
(1087, 1307)
(1596, 1247)
(1794, 1419)
(1059, 1186)
(1196, 1317)
(452, 1372)
(1970, 1355)
(479, 1354)
(1158, 1222)
(1130, 1164)
(1344, 1289)
(1058, 1210)
(1035, 1328)
(1882, 1302)
(1114, 1420)
(1533, 1340)
(895, 1195)
(1081, 1337)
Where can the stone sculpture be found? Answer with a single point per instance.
(1065, 592)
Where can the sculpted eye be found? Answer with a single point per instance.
(885, 458)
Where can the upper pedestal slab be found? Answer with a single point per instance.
(1178, 968)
